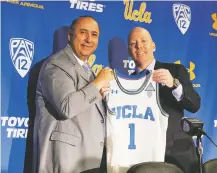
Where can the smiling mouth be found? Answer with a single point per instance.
(86, 46)
(140, 53)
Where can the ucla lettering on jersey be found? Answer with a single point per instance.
(136, 122)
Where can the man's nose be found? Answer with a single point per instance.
(88, 37)
(138, 45)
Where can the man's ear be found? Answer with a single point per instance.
(154, 46)
(69, 36)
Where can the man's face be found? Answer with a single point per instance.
(141, 46)
(85, 37)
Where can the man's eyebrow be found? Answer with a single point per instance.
(82, 29)
(95, 32)
(137, 39)
(131, 40)
(144, 38)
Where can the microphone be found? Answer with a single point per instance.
(192, 126)
(117, 53)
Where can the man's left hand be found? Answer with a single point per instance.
(163, 76)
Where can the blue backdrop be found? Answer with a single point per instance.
(184, 33)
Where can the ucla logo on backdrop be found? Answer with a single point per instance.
(96, 68)
(141, 15)
(87, 5)
(214, 25)
(22, 53)
(190, 70)
(16, 127)
(182, 16)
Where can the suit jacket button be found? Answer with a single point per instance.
(102, 121)
(102, 143)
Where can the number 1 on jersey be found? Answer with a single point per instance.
(132, 145)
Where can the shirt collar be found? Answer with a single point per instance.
(150, 67)
(79, 60)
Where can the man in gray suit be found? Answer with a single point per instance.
(69, 127)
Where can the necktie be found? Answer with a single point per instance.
(87, 69)
(145, 71)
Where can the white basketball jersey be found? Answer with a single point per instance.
(136, 123)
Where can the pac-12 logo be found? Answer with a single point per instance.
(22, 52)
(182, 16)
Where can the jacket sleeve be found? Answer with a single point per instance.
(59, 89)
(190, 100)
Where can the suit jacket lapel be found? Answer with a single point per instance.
(92, 77)
(81, 71)
(100, 105)
(158, 65)
(78, 67)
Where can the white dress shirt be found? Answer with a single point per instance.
(79, 60)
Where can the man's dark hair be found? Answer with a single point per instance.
(72, 26)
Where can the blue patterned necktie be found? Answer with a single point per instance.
(87, 69)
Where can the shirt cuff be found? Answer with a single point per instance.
(178, 92)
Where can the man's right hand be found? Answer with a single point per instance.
(103, 78)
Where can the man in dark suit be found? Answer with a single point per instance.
(176, 95)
